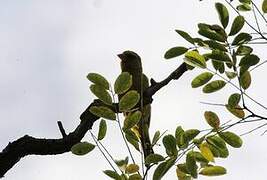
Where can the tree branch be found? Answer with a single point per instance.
(28, 145)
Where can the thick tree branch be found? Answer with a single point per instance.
(156, 86)
(28, 145)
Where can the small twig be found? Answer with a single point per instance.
(102, 152)
(61, 129)
(258, 65)
(248, 132)
(212, 104)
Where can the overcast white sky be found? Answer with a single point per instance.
(48, 47)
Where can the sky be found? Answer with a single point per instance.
(48, 47)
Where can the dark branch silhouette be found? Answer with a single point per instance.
(28, 145)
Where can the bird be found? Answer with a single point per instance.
(131, 62)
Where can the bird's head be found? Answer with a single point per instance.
(130, 60)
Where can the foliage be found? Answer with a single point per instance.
(224, 53)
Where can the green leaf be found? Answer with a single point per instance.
(249, 60)
(102, 130)
(220, 56)
(194, 59)
(135, 177)
(215, 45)
(245, 80)
(201, 79)
(162, 168)
(175, 52)
(218, 66)
(237, 25)
(132, 168)
(213, 171)
(212, 119)
(82, 148)
(185, 35)
(231, 138)
(206, 31)
(237, 111)
(169, 143)
(243, 7)
(243, 50)
(132, 138)
(214, 86)
(200, 158)
(217, 144)
(132, 119)
(245, 1)
(230, 75)
(102, 111)
(112, 174)
(234, 99)
(122, 163)
(206, 152)
(123, 83)
(223, 14)
(101, 93)
(241, 39)
(191, 134)
(155, 138)
(191, 164)
(154, 158)
(264, 6)
(98, 80)
(180, 138)
(129, 100)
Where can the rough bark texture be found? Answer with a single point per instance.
(28, 145)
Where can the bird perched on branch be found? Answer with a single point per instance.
(131, 63)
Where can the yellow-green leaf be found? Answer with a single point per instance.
(132, 168)
(102, 130)
(213, 171)
(82, 148)
(193, 58)
(212, 119)
(102, 111)
(231, 138)
(154, 158)
(101, 93)
(234, 99)
(175, 52)
(123, 83)
(201, 79)
(223, 14)
(237, 25)
(98, 80)
(206, 152)
(213, 86)
(245, 80)
(132, 119)
(264, 6)
(237, 111)
(129, 100)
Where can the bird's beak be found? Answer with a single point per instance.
(121, 56)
